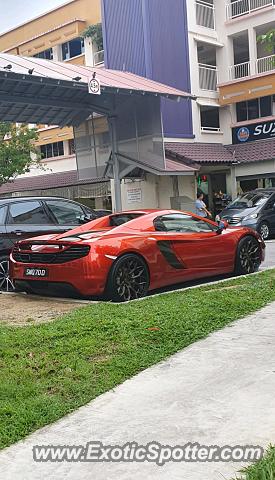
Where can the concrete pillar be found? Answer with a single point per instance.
(89, 52)
(99, 202)
(252, 40)
(57, 53)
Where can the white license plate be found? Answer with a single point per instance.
(36, 272)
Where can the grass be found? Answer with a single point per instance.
(48, 370)
(262, 470)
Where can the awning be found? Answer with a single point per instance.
(34, 90)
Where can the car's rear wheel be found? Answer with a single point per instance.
(6, 284)
(248, 258)
(128, 279)
(264, 230)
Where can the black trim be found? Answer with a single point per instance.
(166, 249)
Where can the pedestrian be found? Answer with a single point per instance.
(201, 209)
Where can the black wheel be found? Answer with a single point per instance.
(6, 284)
(264, 230)
(128, 279)
(248, 258)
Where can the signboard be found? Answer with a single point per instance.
(134, 195)
(252, 132)
(94, 86)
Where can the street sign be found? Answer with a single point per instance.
(94, 86)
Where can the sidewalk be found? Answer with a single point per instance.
(219, 391)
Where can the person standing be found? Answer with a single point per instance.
(201, 209)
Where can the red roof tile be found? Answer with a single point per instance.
(44, 182)
(200, 152)
(254, 151)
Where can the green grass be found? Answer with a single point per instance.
(50, 369)
(262, 470)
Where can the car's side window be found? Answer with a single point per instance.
(182, 223)
(65, 213)
(28, 213)
(3, 214)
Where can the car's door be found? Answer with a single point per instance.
(268, 213)
(28, 218)
(196, 244)
(5, 243)
(66, 214)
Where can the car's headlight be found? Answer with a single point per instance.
(251, 216)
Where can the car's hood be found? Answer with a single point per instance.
(238, 212)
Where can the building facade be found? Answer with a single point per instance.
(57, 36)
(211, 48)
(221, 143)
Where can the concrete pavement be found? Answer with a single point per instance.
(217, 391)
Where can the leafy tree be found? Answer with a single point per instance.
(95, 33)
(17, 150)
(268, 40)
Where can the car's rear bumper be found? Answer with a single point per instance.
(79, 277)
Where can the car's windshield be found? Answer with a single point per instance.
(249, 200)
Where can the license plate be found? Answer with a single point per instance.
(36, 272)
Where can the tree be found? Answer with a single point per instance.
(268, 40)
(95, 33)
(17, 150)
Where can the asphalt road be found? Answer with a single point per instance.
(270, 254)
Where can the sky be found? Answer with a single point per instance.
(14, 12)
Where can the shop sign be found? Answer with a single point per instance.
(134, 195)
(256, 131)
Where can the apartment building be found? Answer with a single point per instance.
(208, 47)
(57, 35)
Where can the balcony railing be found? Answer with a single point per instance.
(205, 14)
(208, 77)
(99, 58)
(243, 7)
(265, 64)
(239, 71)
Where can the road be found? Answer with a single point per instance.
(270, 254)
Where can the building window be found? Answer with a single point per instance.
(210, 119)
(47, 54)
(256, 108)
(52, 150)
(73, 48)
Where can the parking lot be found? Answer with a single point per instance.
(21, 309)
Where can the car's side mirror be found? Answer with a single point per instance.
(222, 225)
(86, 217)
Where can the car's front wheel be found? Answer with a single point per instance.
(248, 259)
(6, 284)
(264, 230)
(128, 279)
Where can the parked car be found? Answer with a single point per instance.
(23, 217)
(255, 209)
(124, 255)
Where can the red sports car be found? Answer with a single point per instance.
(124, 255)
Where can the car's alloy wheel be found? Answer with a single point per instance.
(264, 231)
(128, 279)
(6, 284)
(248, 256)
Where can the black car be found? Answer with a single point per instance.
(255, 209)
(24, 217)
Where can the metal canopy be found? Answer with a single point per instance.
(34, 90)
